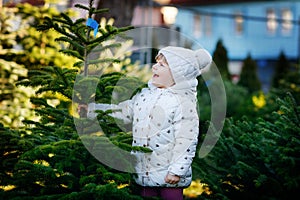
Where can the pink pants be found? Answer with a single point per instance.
(165, 193)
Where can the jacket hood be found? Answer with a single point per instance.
(187, 87)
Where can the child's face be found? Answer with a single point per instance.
(162, 76)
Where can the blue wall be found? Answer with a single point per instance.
(255, 39)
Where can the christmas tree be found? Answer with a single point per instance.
(281, 70)
(221, 60)
(286, 78)
(52, 158)
(249, 78)
(255, 159)
(14, 100)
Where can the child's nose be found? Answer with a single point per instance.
(154, 67)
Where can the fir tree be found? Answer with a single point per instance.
(48, 160)
(281, 70)
(249, 78)
(255, 159)
(14, 101)
(39, 49)
(221, 60)
(25, 48)
(286, 79)
(291, 83)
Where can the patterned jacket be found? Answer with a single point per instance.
(166, 121)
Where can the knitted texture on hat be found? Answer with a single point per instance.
(186, 64)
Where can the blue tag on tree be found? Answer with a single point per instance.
(93, 24)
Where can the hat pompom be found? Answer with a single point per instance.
(203, 58)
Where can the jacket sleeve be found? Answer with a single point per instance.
(186, 130)
(123, 110)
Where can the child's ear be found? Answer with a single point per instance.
(165, 60)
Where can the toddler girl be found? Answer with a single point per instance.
(164, 118)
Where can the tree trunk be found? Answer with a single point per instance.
(120, 11)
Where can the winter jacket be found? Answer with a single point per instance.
(166, 121)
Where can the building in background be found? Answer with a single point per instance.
(262, 29)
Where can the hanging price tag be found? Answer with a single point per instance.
(93, 24)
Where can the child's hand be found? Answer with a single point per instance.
(82, 109)
(172, 179)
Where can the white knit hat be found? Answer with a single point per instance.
(186, 64)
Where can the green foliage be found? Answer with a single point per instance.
(24, 48)
(47, 158)
(53, 79)
(248, 77)
(56, 169)
(53, 160)
(13, 144)
(79, 37)
(238, 101)
(286, 78)
(39, 48)
(255, 159)
(15, 105)
(291, 83)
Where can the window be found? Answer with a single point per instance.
(287, 18)
(197, 26)
(271, 21)
(239, 23)
(208, 30)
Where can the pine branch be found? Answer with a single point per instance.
(48, 24)
(99, 48)
(79, 22)
(68, 20)
(100, 11)
(81, 7)
(73, 53)
(107, 60)
(79, 64)
(62, 21)
(104, 37)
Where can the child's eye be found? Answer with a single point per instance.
(161, 64)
